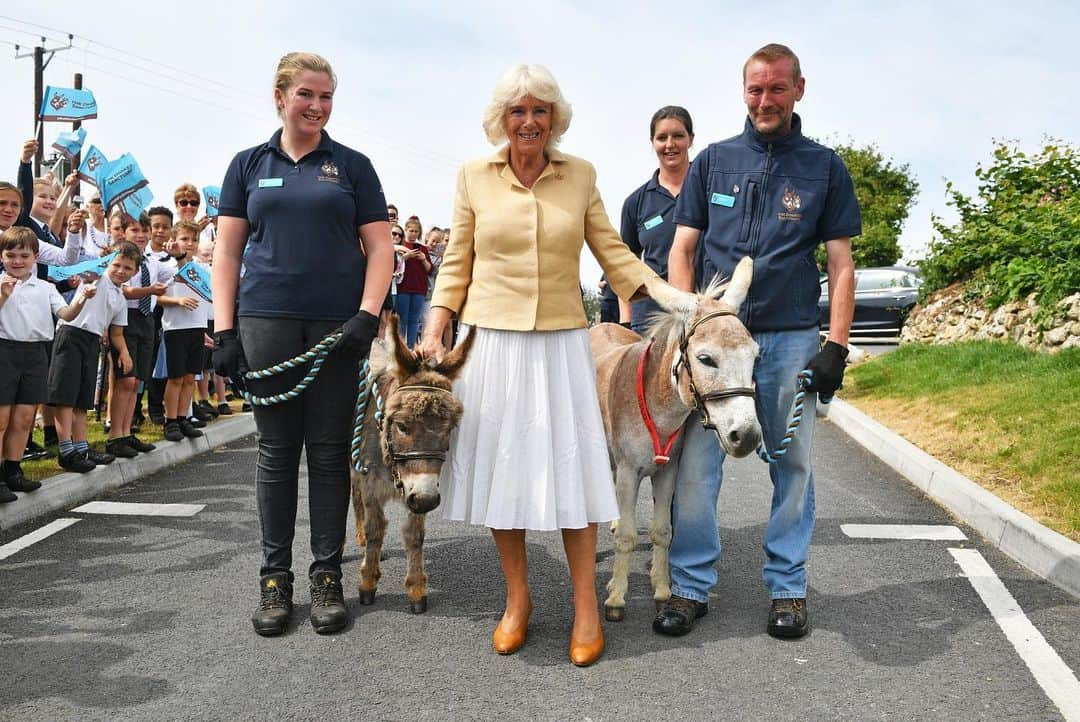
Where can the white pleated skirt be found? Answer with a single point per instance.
(529, 451)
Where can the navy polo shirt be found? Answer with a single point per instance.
(648, 225)
(303, 257)
(775, 200)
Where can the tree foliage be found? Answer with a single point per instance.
(886, 192)
(1019, 234)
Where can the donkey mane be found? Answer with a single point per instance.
(662, 324)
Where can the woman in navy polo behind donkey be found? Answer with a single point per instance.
(530, 452)
(647, 225)
(303, 279)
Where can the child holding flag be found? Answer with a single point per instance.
(73, 372)
(184, 324)
(27, 306)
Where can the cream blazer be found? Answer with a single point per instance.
(513, 261)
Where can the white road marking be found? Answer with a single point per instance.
(138, 509)
(927, 532)
(35, 536)
(1049, 670)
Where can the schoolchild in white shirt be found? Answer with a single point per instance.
(75, 354)
(204, 409)
(161, 221)
(27, 305)
(185, 339)
(142, 291)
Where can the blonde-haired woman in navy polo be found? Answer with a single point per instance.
(295, 210)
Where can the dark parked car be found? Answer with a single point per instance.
(883, 299)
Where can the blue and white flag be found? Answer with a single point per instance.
(69, 144)
(197, 276)
(138, 201)
(212, 194)
(118, 179)
(90, 270)
(65, 104)
(92, 160)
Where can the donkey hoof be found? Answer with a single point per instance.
(367, 597)
(419, 606)
(614, 614)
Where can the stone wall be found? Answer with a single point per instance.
(947, 316)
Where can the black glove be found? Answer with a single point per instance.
(828, 369)
(357, 334)
(228, 357)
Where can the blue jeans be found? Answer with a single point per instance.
(408, 307)
(695, 543)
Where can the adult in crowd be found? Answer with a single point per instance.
(98, 238)
(413, 286)
(391, 213)
(648, 225)
(303, 280)
(530, 453)
(772, 193)
(186, 198)
(609, 302)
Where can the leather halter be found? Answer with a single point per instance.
(701, 399)
(661, 453)
(400, 457)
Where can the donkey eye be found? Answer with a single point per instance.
(706, 360)
(401, 428)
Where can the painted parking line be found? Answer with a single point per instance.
(139, 509)
(925, 532)
(1050, 671)
(35, 536)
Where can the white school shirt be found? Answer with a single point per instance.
(175, 318)
(50, 255)
(27, 315)
(159, 273)
(107, 308)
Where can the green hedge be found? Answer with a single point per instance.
(1019, 234)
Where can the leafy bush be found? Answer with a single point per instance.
(1020, 234)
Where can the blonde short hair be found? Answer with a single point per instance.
(515, 84)
(293, 64)
(185, 190)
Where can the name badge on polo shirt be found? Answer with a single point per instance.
(719, 199)
(271, 182)
(653, 222)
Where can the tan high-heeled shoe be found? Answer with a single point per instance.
(508, 641)
(583, 653)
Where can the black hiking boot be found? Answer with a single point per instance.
(678, 615)
(788, 618)
(328, 612)
(6, 494)
(275, 604)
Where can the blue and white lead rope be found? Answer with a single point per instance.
(316, 355)
(804, 379)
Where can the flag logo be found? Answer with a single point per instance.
(58, 102)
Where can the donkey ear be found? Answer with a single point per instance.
(670, 298)
(739, 285)
(452, 363)
(403, 362)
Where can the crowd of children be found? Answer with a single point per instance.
(156, 328)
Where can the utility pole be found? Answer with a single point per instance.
(40, 63)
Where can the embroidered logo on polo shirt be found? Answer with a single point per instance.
(329, 172)
(792, 204)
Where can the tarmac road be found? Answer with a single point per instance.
(146, 618)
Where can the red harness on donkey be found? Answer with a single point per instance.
(661, 453)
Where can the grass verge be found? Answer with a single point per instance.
(1006, 417)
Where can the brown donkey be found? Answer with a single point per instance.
(698, 356)
(404, 452)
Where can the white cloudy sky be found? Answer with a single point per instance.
(183, 86)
